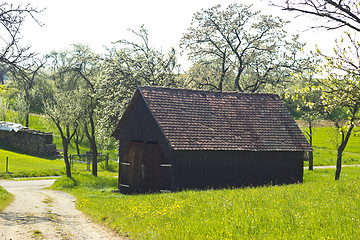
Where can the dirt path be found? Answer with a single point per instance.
(39, 213)
(357, 165)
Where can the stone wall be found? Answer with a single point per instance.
(29, 141)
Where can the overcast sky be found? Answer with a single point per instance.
(99, 23)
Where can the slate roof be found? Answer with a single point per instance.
(206, 120)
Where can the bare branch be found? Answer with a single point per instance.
(12, 18)
(337, 13)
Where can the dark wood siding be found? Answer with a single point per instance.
(203, 169)
(130, 177)
(143, 168)
(144, 147)
(140, 125)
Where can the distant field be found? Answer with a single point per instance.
(325, 145)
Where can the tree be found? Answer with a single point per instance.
(338, 14)
(12, 18)
(65, 112)
(24, 78)
(65, 106)
(133, 64)
(85, 66)
(341, 85)
(78, 138)
(77, 70)
(208, 75)
(308, 99)
(244, 44)
(341, 90)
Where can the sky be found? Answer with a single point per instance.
(99, 23)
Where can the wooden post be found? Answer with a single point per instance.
(7, 164)
(88, 161)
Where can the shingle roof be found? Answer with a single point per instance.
(205, 120)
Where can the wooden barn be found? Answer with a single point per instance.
(173, 139)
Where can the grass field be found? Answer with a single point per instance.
(325, 145)
(5, 198)
(321, 208)
(26, 165)
(22, 165)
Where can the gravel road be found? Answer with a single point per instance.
(39, 213)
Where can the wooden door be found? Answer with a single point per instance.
(130, 169)
(157, 172)
(144, 169)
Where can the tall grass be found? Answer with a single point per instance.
(318, 209)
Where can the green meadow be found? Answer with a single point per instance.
(5, 198)
(320, 208)
(21, 165)
(325, 142)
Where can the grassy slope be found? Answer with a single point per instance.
(25, 163)
(321, 208)
(5, 198)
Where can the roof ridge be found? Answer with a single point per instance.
(205, 91)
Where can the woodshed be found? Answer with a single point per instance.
(173, 139)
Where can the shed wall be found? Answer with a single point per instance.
(139, 137)
(141, 126)
(203, 169)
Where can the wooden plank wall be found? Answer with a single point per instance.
(204, 169)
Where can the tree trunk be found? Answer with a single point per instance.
(338, 164)
(94, 160)
(27, 120)
(77, 148)
(93, 147)
(77, 142)
(340, 150)
(237, 82)
(311, 160)
(311, 154)
(66, 158)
